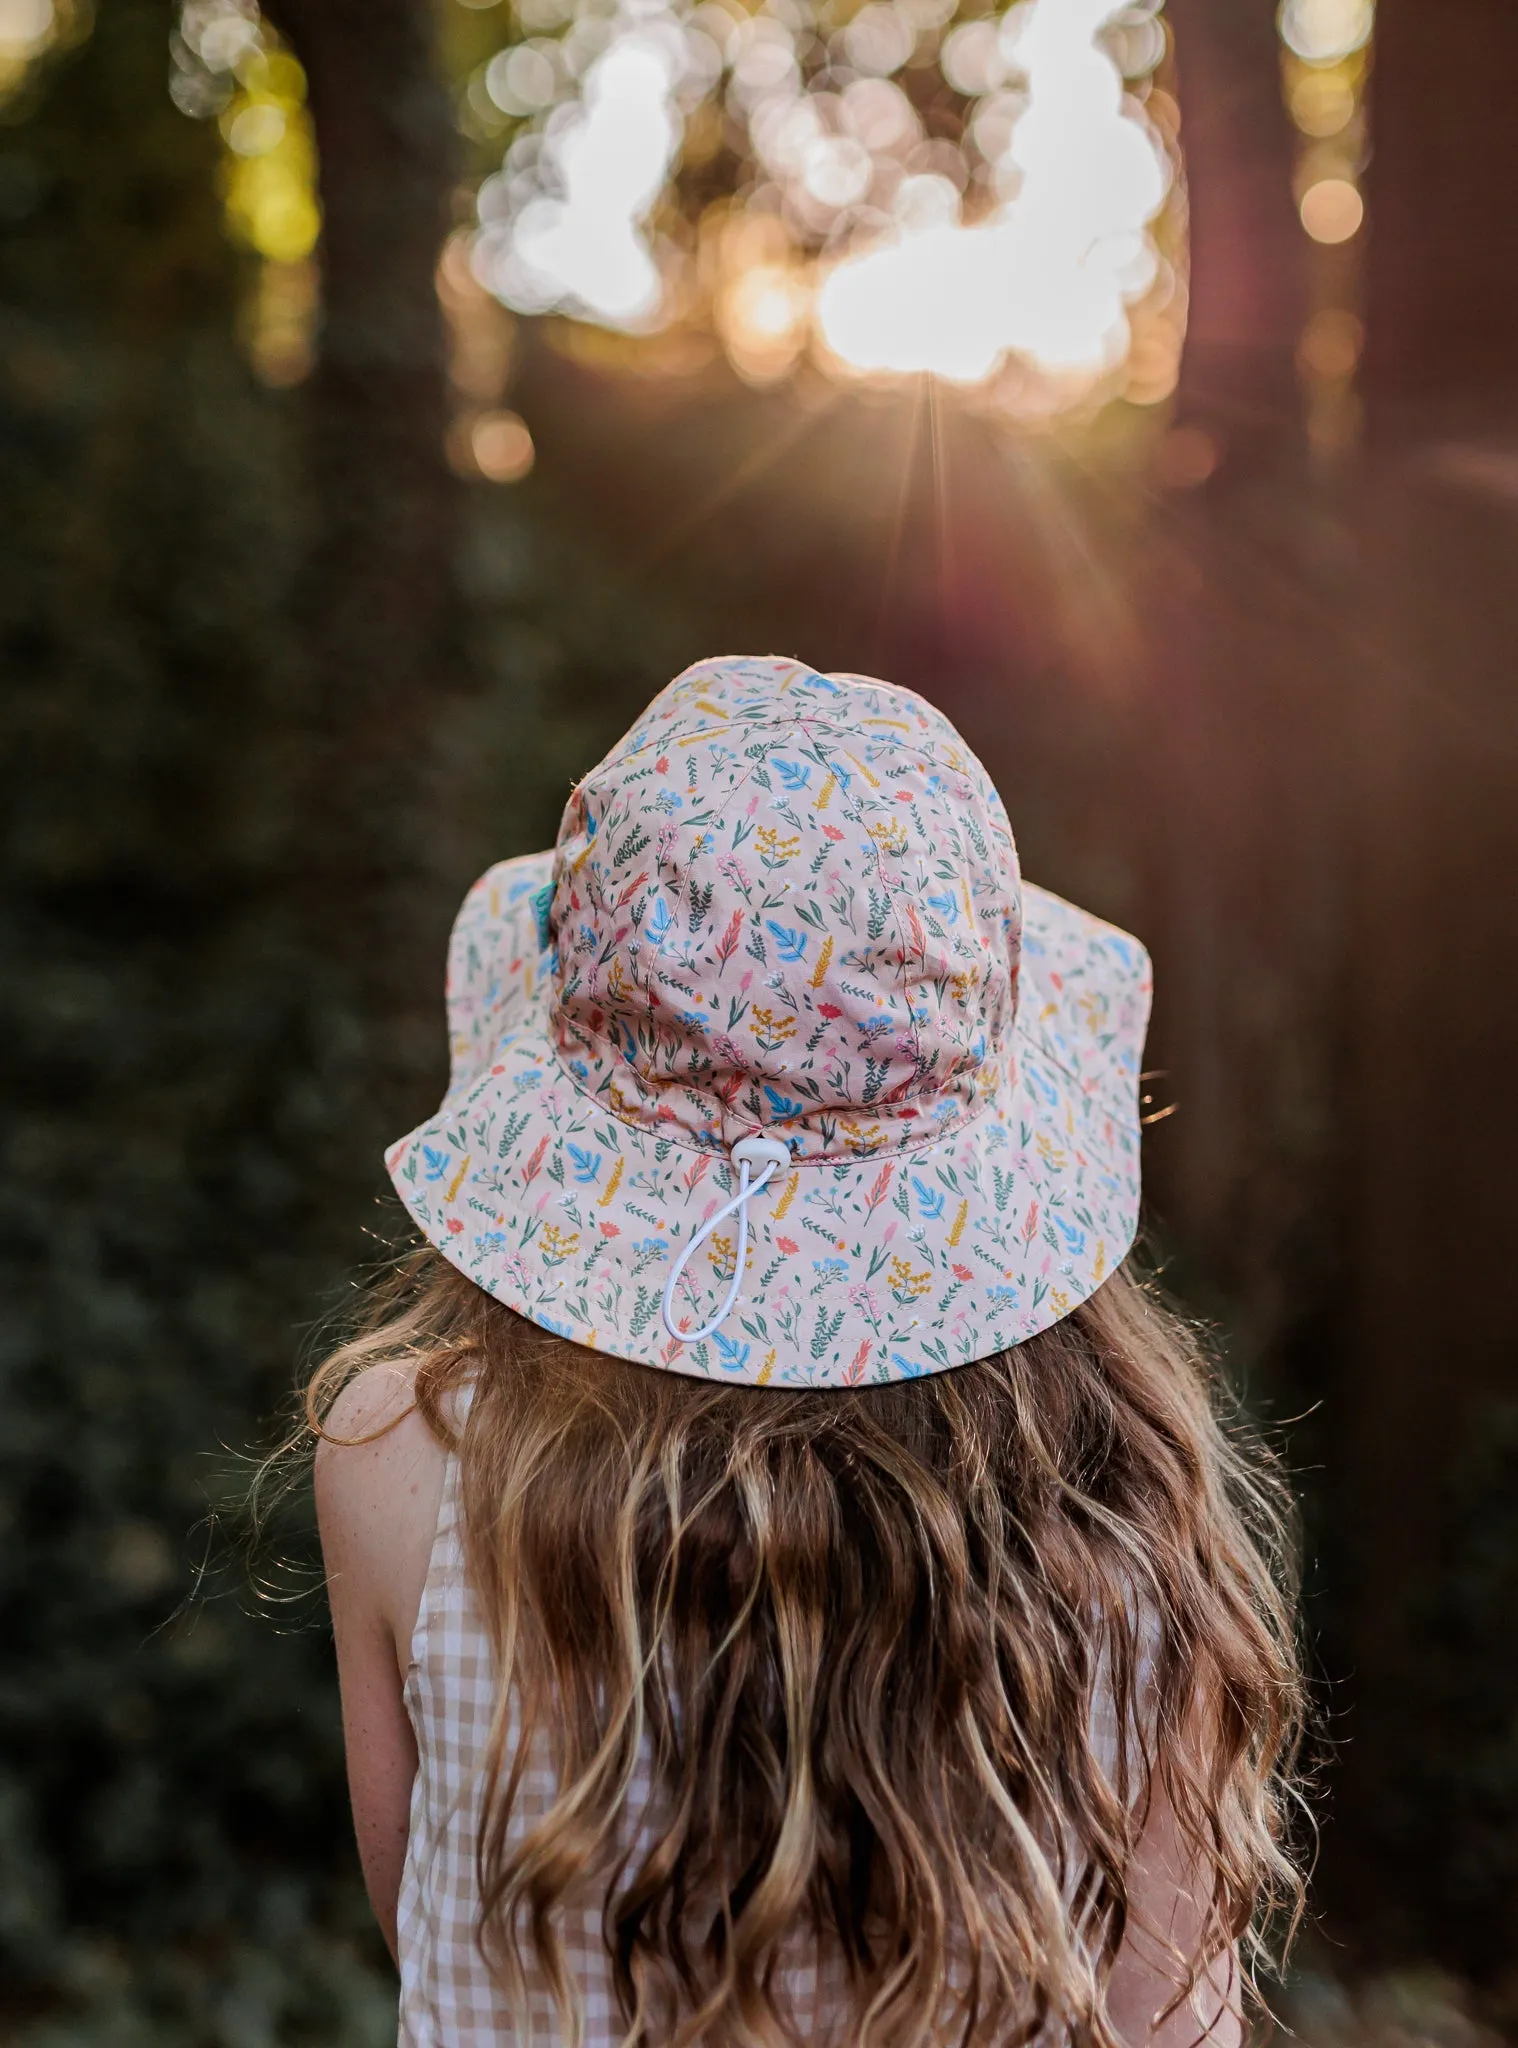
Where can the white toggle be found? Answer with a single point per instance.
(769, 1155)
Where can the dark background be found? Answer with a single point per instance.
(278, 683)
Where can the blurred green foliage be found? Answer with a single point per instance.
(175, 1853)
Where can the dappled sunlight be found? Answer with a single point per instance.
(960, 198)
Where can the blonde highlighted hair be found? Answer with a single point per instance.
(859, 1637)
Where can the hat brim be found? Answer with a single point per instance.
(878, 1269)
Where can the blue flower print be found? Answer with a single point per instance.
(734, 1356)
(782, 1105)
(587, 1165)
(437, 1162)
(931, 1200)
(789, 943)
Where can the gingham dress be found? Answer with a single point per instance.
(448, 1999)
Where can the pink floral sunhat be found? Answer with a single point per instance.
(774, 1068)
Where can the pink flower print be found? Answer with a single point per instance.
(959, 1272)
(614, 1230)
(832, 832)
(829, 1010)
(732, 870)
(662, 764)
(788, 1245)
(455, 1226)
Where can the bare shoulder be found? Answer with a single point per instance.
(379, 1479)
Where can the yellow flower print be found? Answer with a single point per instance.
(890, 835)
(863, 1139)
(558, 1245)
(824, 960)
(614, 1183)
(720, 1251)
(774, 850)
(1052, 1155)
(961, 1217)
(771, 1030)
(906, 1285)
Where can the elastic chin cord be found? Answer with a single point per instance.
(769, 1155)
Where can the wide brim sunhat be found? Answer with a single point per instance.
(774, 1069)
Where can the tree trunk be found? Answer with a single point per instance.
(380, 621)
(1248, 258)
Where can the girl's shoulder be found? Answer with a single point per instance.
(379, 1482)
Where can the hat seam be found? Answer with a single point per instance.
(713, 1150)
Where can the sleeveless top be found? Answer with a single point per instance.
(448, 1998)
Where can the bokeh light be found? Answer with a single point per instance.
(1326, 49)
(26, 29)
(1332, 210)
(228, 65)
(502, 447)
(1323, 31)
(29, 29)
(985, 200)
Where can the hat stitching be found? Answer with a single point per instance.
(915, 1142)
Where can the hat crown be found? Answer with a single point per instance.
(789, 903)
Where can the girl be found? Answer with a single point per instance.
(789, 1581)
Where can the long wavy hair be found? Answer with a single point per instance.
(873, 1647)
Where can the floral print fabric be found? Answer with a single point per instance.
(786, 904)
